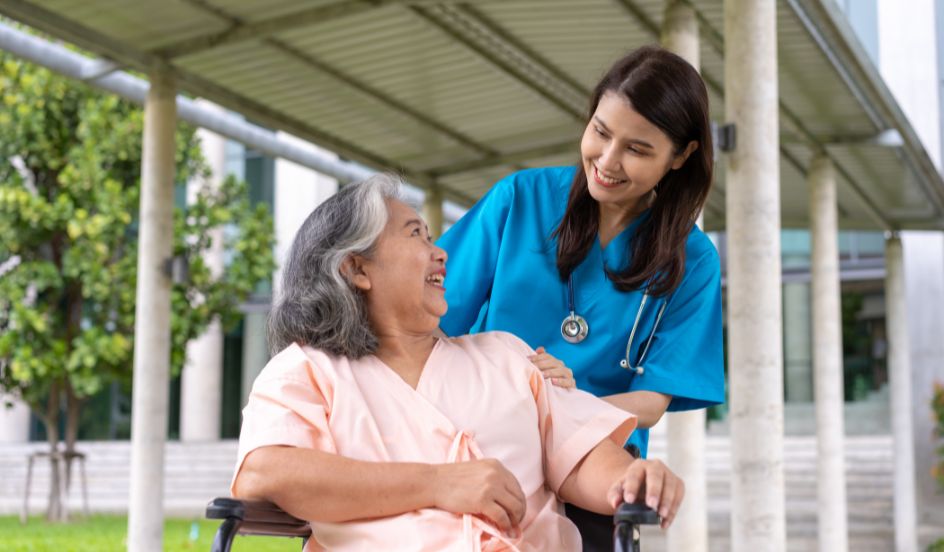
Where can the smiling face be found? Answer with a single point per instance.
(403, 278)
(624, 155)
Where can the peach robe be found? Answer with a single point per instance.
(478, 397)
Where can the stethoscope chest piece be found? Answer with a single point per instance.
(574, 328)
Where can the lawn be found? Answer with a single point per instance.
(107, 534)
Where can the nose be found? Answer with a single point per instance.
(439, 254)
(609, 159)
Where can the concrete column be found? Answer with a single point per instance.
(201, 386)
(827, 357)
(14, 420)
(680, 31)
(152, 318)
(685, 455)
(754, 308)
(685, 431)
(298, 190)
(255, 351)
(797, 353)
(899, 375)
(433, 210)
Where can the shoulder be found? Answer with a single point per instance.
(700, 252)
(297, 362)
(538, 180)
(504, 356)
(493, 341)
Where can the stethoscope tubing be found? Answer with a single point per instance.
(574, 318)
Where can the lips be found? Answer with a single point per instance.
(605, 181)
(437, 278)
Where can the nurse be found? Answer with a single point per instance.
(576, 260)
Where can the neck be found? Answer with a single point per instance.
(405, 353)
(615, 218)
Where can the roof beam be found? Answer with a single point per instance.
(243, 31)
(845, 57)
(359, 87)
(356, 86)
(240, 31)
(511, 158)
(716, 40)
(481, 37)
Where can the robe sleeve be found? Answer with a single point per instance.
(686, 358)
(572, 422)
(289, 405)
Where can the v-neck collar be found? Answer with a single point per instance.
(615, 251)
(423, 374)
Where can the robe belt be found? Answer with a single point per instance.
(464, 449)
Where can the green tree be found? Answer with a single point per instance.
(70, 163)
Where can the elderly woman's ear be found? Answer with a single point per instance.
(353, 270)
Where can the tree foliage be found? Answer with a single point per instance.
(70, 163)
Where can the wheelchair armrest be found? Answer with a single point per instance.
(626, 521)
(252, 517)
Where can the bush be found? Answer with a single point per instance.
(937, 405)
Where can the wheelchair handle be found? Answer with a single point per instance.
(626, 520)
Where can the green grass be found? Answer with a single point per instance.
(108, 533)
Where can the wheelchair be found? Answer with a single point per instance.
(248, 517)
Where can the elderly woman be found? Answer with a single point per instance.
(386, 436)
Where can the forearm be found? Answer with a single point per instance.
(320, 486)
(648, 406)
(588, 483)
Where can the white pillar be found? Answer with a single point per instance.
(152, 318)
(899, 375)
(201, 385)
(680, 31)
(685, 431)
(685, 455)
(754, 309)
(796, 338)
(433, 210)
(827, 357)
(14, 420)
(255, 351)
(298, 190)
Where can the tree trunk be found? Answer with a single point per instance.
(54, 507)
(73, 410)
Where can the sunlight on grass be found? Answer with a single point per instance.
(107, 534)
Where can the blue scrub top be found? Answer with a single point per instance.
(502, 275)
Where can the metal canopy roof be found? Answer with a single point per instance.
(460, 93)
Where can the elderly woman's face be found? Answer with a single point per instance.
(404, 277)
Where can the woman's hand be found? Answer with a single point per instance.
(552, 369)
(482, 487)
(653, 481)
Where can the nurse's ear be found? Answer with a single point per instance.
(353, 270)
(682, 157)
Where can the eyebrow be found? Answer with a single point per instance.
(636, 141)
(417, 222)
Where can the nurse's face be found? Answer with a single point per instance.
(404, 277)
(624, 155)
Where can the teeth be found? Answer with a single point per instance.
(435, 279)
(606, 179)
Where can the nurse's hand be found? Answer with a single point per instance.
(649, 481)
(482, 487)
(552, 369)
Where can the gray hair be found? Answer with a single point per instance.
(319, 306)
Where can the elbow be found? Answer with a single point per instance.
(250, 482)
(645, 420)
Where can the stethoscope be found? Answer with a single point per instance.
(575, 329)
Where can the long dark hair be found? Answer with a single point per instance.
(669, 93)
